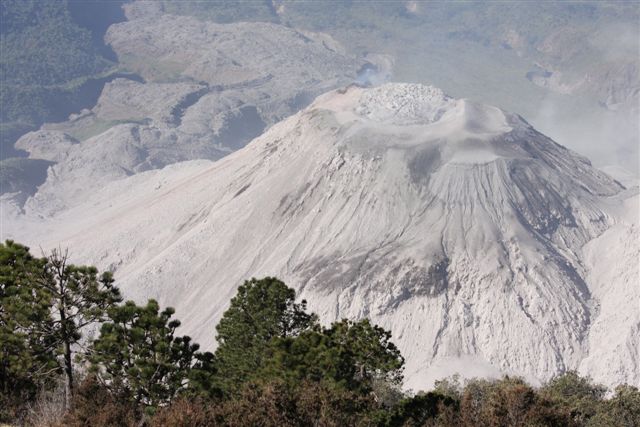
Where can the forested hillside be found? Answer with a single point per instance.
(53, 61)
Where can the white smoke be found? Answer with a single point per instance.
(607, 138)
(371, 75)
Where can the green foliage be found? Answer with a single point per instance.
(622, 410)
(10, 132)
(371, 349)
(449, 387)
(47, 58)
(351, 354)
(28, 353)
(79, 298)
(261, 311)
(138, 355)
(46, 303)
(42, 45)
(28, 106)
(203, 377)
(571, 386)
(577, 395)
(309, 356)
(419, 410)
(275, 365)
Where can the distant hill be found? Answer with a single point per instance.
(53, 61)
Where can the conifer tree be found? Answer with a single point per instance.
(261, 310)
(373, 353)
(353, 355)
(79, 298)
(28, 354)
(138, 355)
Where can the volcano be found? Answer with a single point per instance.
(484, 246)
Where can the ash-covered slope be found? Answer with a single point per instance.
(474, 238)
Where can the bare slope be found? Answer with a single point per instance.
(479, 242)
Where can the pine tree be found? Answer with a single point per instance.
(353, 355)
(138, 355)
(28, 354)
(261, 310)
(79, 298)
(370, 347)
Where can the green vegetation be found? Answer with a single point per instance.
(77, 298)
(52, 62)
(275, 365)
(139, 356)
(28, 359)
(41, 45)
(353, 355)
(46, 305)
(262, 311)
